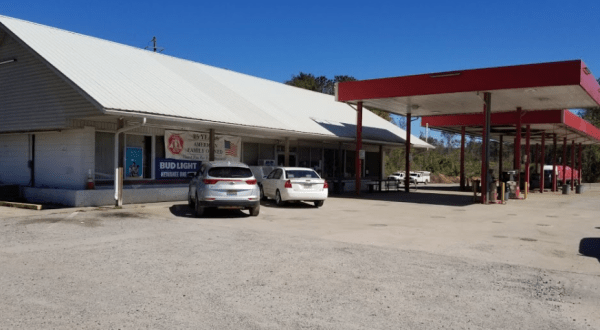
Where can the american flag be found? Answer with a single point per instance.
(230, 149)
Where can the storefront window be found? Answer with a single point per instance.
(105, 156)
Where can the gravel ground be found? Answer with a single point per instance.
(144, 267)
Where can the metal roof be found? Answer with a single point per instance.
(562, 123)
(557, 85)
(121, 79)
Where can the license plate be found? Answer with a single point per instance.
(231, 193)
(307, 185)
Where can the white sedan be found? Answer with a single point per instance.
(294, 184)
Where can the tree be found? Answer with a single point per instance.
(325, 85)
(591, 154)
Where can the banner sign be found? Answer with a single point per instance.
(175, 168)
(134, 162)
(196, 146)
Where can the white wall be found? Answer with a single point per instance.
(14, 154)
(62, 159)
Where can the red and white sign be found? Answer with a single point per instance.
(196, 146)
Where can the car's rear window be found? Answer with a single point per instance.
(230, 172)
(301, 174)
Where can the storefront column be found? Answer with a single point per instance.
(462, 158)
(357, 167)
(211, 147)
(286, 161)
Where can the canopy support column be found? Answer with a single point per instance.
(564, 163)
(554, 179)
(485, 164)
(518, 151)
(407, 177)
(500, 152)
(528, 160)
(573, 165)
(580, 165)
(542, 162)
(462, 158)
(357, 165)
(536, 158)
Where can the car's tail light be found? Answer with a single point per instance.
(288, 184)
(251, 181)
(325, 186)
(210, 181)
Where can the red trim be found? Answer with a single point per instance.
(577, 123)
(487, 79)
(499, 118)
(563, 117)
(589, 83)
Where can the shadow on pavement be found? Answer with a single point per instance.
(288, 205)
(184, 211)
(421, 197)
(590, 247)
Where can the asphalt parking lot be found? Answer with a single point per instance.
(426, 260)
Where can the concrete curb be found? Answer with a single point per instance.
(22, 205)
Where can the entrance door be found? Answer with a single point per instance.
(281, 160)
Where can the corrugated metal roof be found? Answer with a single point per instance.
(120, 77)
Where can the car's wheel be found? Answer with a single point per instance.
(319, 203)
(199, 209)
(262, 193)
(254, 211)
(278, 199)
(191, 201)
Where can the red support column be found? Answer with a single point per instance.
(407, 178)
(357, 165)
(500, 157)
(536, 158)
(518, 151)
(564, 163)
(542, 163)
(528, 160)
(580, 165)
(485, 147)
(554, 188)
(462, 158)
(573, 165)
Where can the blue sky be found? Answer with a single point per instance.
(364, 39)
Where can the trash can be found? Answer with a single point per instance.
(565, 189)
(579, 189)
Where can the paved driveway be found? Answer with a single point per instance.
(429, 260)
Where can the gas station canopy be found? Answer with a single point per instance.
(559, 123)
(556, 85)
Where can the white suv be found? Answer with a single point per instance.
(224, 185)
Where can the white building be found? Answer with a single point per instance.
(64, 96)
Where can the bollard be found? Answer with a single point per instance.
(526, 189)
(503, 199)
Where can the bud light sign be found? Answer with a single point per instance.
(175, 168)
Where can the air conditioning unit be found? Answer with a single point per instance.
(266, 162)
